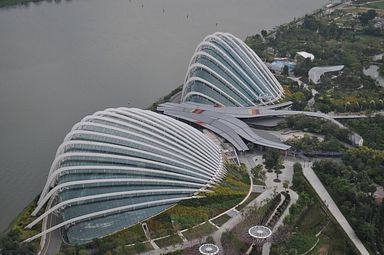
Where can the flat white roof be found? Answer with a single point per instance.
(305, 54)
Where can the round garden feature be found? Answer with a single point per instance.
(209, 249)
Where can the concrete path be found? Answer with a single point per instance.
(182, 236)
(332, 207)
(231, 223)
(258, 188)
(232, 213)
(53, 239)
(176, 247)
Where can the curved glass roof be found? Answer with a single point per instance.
(225, 71)
(121, 166)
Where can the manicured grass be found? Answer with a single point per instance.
(306, 226)
(332, 241)
(199, 231)
(312, 220)
(221, 220)
(130, 235)
(160, 225)
(168, 241)
(138, 248)
(250, 198)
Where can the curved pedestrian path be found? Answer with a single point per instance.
(332, 207)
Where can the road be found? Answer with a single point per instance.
(52, 242)
(332, 207)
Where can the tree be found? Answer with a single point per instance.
(310, 22)
(285, 70)
(272, 159)
(10, 245)
(257, 172)
(264, 33)
(286, 184)
(367, 16)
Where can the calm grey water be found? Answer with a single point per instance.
(62, 61)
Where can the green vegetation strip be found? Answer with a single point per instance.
(221, 220)
(371, 129)
(199, 231)
(251, 197)
(168, 241)
(306, 219)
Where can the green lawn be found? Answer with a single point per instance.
(311, 221)
(332, 241)
(168, 241)
(160, 225)
(199, 231)
(221, 220)
(138, 248)
(250, 198)
(130, 235)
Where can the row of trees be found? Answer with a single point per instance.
(313, 144)
(368, 161)
(352, 189)
(332, 44)
(273, 161)
(10, 245)
(371, 129)
(316, 125)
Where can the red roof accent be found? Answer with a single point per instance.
(198, 110)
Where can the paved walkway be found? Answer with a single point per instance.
(53, 239)
(232, 213)
(258, 188)
(176, 247)
(231, 223)
(332, 207)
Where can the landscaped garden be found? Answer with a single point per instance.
(351, 37)
(199, 231)
(308, 224)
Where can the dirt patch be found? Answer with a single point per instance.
(323, 250)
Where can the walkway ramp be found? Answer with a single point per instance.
(332, 207)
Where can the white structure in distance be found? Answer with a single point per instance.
(121, 166)
(224, 71)
(209, 249)
(260, 232)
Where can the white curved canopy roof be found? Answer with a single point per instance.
(225, 71)
(121, 166)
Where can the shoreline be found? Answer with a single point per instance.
(18, 216)
(4, 4)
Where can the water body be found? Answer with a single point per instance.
(62, 61)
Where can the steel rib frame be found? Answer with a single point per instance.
(106, 212)
(90, 117)
(246, 59)
(106, 195)
(226, 70)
